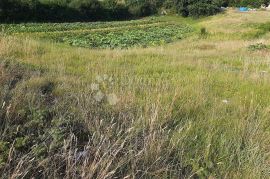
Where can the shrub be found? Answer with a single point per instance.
(142, 7)
(202, 9)
(115, 10)
(197, 8)
(203, 32)
(249, 3)
(61, 10)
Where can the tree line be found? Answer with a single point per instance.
(93, 10)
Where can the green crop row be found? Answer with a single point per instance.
(120, 34)
(54, 27)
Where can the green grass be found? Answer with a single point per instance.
(196, 107)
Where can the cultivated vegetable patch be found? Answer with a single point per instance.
(141, 33)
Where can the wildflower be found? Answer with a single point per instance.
(225, 101)
(112, 99)
(99, 96)
(94, 86)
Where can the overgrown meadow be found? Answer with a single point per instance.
(162, 97)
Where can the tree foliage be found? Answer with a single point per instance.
(92, 10)
(61, 10)
(197, 8)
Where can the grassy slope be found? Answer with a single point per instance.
(174, 94)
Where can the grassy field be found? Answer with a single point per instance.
(198, 107)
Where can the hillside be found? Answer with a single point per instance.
(193, 106)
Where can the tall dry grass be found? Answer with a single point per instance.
(198, 108)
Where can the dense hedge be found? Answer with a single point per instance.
(197, 8)
(203, 9)
(249, 3)
(62, 10)
(92, 10)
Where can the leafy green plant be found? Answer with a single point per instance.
(127, 34)
(203, 32)
(122, 38)
(258, 46)
(59, 27)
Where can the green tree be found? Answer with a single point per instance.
(197, 8)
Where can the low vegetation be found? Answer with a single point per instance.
(259, 46)
(194, 108)
(59, 27)
(105, 35)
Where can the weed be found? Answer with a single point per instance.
(196, 108)
(203, 32)
(258, 46)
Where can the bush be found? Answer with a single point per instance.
(202, 9)
(115, 10)
(203, 32)
(61, 10)
(182, 8)
(197, 8)
(249, 3)
(169, 4)
(142, 7)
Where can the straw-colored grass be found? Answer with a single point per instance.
(198, 107)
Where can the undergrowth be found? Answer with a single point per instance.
(45, 133)
(197, 108)
(258, 46)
